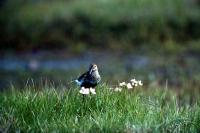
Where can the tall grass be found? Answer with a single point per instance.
(66, 110)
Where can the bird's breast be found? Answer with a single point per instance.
(96, 76)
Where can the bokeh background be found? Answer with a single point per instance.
(157, 41)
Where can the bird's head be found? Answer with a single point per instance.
(93, 67)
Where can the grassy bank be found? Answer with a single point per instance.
(114, 24)
(65, 110)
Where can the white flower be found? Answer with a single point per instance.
(134, 81)
(129, 86)
(92, 91)
(84, 91)
(140, 83)
(136, 84)
(110, 88)
(122, 84)
(118, 89)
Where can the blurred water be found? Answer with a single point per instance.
(67, 64)
(113, 67)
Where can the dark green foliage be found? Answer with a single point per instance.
(65, 24)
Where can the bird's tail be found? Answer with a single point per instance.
(78, 82)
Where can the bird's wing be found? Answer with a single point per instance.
(83, 76)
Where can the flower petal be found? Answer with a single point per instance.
(133, 80)
(129, 86)
(122, 84)
(92, 91)
(118, 89)
(140, 83)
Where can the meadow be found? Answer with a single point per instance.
(63, 109)
(51, 42)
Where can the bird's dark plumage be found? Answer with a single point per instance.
(90, 78)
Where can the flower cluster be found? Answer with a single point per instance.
(133, 83)
(86, 91)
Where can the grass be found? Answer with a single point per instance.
(61, 109)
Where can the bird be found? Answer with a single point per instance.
(89, 79)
